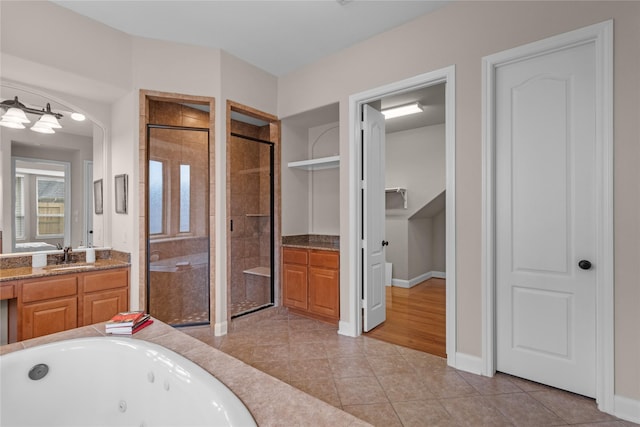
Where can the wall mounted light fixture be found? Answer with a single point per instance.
(402, 110)
(15, 117)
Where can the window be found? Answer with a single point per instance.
(156, 197)
(50, 206)
(20, 219)
(185, 198)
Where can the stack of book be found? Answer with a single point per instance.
(128, 323)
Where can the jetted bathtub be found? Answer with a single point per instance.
(109, 381)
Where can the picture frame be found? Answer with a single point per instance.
(97, 197)
(121, 183)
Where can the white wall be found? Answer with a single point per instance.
(324, 185)
(461, 34)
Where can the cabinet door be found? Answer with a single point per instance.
(102, 306)
(294, 280)
(49, 317)
(323, 292)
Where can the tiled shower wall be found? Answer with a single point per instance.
(250, 195)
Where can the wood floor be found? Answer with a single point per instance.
(415, 317)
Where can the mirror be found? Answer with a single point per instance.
(48, 179)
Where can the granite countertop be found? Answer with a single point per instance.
(7, 274)
(13, 267)
(270, 401)
(312, 241)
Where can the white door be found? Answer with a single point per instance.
(373, 220)
(545, 218)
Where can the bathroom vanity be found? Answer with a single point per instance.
(311, 276)
(56, 298)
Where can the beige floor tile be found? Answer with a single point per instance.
(276, 368)
(523, 410)
(309, 369)
(420, 413)
(373, 347)
(572, 408)
(498, 384)
(307, 350)
(389, 365)
(323, 389)
(270, 352)
(447, 383)
(474, 411)
(360, 391)
(342, 347)
(403, 387)
(345, 367)
(377, 414)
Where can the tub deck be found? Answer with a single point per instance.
(270, 401)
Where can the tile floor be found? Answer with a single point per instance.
(389, 385)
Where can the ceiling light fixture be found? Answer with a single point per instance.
(403, 110)
(15, 117)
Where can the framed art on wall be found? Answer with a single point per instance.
(97, 196)
(121, 182)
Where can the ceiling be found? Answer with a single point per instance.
(276, 36)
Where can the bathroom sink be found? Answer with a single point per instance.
(59, 267)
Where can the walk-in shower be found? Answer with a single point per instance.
(251, 220)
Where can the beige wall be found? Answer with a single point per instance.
(461, 34)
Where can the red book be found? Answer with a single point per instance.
(127, 330)
(126, 318)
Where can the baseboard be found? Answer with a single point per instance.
(401, 283)
(626, 408)
(220, 329)
(467, 363)
(347, 329)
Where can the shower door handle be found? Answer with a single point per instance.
(231, 225)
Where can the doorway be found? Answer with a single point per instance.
(360, 185)
(570, 347)
(251, 210)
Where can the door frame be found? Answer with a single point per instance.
(601, 35)
(353, 326)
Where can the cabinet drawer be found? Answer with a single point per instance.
(38, 290)
(294, 256)
(103, 280)
(7, 291)
(326, 259)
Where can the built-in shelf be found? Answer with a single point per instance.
(257, 214)
(317, 164)
(259, 271)
(399, 190)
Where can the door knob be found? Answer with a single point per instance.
(385, 243)
(584, 264)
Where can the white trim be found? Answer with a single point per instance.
(347, 329)
(602, 36)
(469, 363)
(220, 328)
(353, 318)
(626, 408)
(401, 283)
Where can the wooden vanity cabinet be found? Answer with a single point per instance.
(295, 278)
(47, 305)
(103, 294)
(311, 283)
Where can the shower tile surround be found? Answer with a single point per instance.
(270, 401)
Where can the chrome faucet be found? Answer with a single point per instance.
(66, 255)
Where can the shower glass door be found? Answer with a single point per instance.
(178, 225)
(251, 230)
